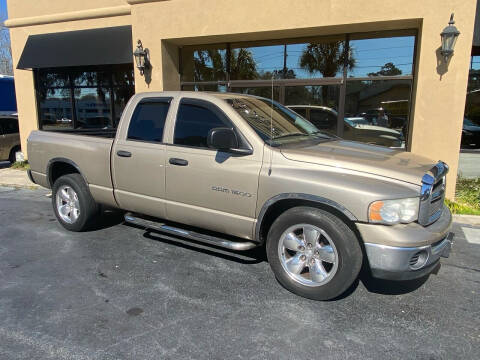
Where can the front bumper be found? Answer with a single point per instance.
(397, 263)
(410, 251)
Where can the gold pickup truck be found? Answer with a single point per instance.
(240, 171)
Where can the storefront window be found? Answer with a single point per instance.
(471, 121)
(83, 98)
(363, 81)
(386, 56)
(205, 63)
(377, 112)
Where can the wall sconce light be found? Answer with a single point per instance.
(142, 57)
(449, 37)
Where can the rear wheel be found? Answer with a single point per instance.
(313, 253)
(73, 204)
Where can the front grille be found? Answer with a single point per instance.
(433, 194)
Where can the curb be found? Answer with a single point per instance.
(20, 186)
(467, 219)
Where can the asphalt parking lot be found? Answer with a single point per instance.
(122, 293)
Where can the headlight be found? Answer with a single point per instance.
(392, 212)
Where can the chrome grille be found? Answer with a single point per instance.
(432, 194)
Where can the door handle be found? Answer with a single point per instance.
(123, 153)
(179, 162)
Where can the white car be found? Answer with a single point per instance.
(355, 128)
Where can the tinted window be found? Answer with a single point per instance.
(300, 111)
(148, 121)
(323, 120)
(9, 126)
(194, 121)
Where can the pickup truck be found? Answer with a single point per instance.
(238, 172)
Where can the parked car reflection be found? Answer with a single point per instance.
(470, 134)
(9, 137)
(355, 128)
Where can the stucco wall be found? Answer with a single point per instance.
(439, 92)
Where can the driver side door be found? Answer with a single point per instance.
(204, 187)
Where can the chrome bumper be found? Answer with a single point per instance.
(405, 263)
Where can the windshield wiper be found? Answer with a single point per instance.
(288, 135)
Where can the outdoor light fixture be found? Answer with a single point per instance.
(449, 37)
(142, 57)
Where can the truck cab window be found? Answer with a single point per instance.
(194, 121)
(148, 121)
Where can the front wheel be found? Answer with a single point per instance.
(313, 253)
(73, 204)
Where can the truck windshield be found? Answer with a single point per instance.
(273, 122)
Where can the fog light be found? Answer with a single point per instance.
(418, 260)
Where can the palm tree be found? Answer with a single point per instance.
(211, 65)
(327, 59)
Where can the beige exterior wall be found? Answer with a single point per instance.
(163, 26)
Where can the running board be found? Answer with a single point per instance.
(192, 235)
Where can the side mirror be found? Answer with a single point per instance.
(225, 139)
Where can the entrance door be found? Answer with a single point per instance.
(204, 187)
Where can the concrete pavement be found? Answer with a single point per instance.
(14, 177)
(469, 164)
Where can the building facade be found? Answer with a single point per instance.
(375, 65)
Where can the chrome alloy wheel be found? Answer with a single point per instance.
(308, 255)
(68, 206)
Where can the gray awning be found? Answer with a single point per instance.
(102, 46)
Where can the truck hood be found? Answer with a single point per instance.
(351, 155)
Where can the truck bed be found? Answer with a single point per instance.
(89, 151)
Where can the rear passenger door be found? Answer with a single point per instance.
(138, 159)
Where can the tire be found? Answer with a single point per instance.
(11, 156)
(71, 190)
(333, 262)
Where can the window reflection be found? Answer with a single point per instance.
(325, 95)
(387, 56)
(92, 106)
(263, 91)
(375, 111)
(471, 121)
(378, 111)
(55, 109)
(206, 63)
(91, 89)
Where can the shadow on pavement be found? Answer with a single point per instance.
(108, 218)
(253, 256)
(391, 287)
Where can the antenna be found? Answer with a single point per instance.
(271, 131)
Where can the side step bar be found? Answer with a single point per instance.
(192, 235)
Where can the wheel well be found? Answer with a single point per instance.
(281, 206)
(14, 149)
(60, 168)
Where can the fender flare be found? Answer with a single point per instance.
(53, 161)
(298, 196)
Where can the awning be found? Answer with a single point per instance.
(102, 46)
